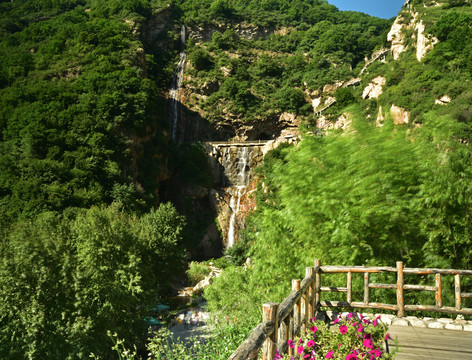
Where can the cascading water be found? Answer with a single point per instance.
(237, 164)
(176, 85)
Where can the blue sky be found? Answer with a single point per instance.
(381, 8)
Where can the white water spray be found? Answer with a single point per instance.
(176, 85)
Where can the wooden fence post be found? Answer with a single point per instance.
(457, 288)
(296, 311)
(317, 285)
(349, 287)
(439, 303)
(366, 288)
(400, 283)
(309, 271)
(270, 313)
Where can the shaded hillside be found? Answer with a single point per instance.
(82, 112)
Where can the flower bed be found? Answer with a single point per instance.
(352, 338)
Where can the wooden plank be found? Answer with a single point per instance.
(382, 286)
(444, 309)
(330, 269)
(431, 344)
(333, 289)
(286, 307)
(466, 295)
(420, 271)
(420, 288)
(359, 305)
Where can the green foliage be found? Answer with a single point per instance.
(290, 99)
(269, 73)
(74, 89)
(196, 272)
(363, 197)
(66, 281)
(200, 59)
(344, 97)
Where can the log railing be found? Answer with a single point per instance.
(289, 319)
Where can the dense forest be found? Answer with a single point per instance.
(88, 241)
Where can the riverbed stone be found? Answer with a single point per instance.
(417, 323)
(436, 325)
(445, 320)
(400, 322)
(468, 327)
(452, 326)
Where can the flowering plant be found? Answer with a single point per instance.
(354, 338)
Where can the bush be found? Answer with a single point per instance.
(197, 272)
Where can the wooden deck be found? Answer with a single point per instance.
(431, 344)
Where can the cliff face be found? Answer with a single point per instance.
(409, 23)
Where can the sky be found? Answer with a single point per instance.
(385, 9)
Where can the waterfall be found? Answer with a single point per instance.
(234, 204)
(176, 85)
(237, 162)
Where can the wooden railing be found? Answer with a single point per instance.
(289, 319)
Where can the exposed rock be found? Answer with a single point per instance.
(400, 322)
(443, 100)
(457, 327)
(343, 122)
(423, 44)
(352, 82)
(400, 116)
(374, 89)
(331, 88)
(243, 30)
(209, 87)
(316, 103)
(396, 38)
(226, 71)
(467, 327)
(436, 325)
(380, 117)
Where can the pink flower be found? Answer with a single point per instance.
(339, 345)
(336, 321)
(291, 343)
(329, 355)
(306, 356)
(351, 357)
(314, 329)
(300, 349)
(368, 343)
(387, 337)
(278, 356)
(350, 315)
(360, 328)
(300, 341)
(343, 329)
(378, 353)
(310, 343)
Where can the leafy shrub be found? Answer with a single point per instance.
(196, 272)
